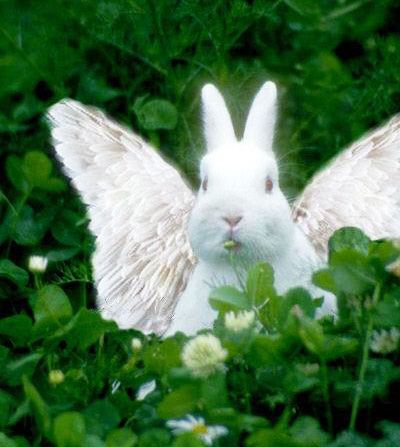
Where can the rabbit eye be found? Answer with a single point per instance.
(269, 184)
(204, 184)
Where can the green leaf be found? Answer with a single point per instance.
(348, 238)
(336, 347)
(159, 358)
(265, 350)
(187, 440)
(387, 310)
(4, 355)
(391, 431)
(260, 283)
(121, 437)
(303, 7)
(380, 374)
(324, 279)
(350, 439)
(214, 392)
(93, 89)
(84, 329)
(312, 335)
(385, 251)
(52, 307)
(31, 228)
(5, 404)
(155, 437)
(39, 407)
(228, 298)
(27, 108)
(352, 272)
(156, 114)
(62, 254)
(101, 416)
(5, 441)
(93, 441)
(307, 431)
(69, 429)
(54, 185)
(270, 438)
(37, 168)
(66, 229)
(18, 328)
(21, 442)
(13, 273)
(179, 402)
(23, 366)
(296, 381)
(16, 174)
(7, 225)
(300, 297)
(22, 410)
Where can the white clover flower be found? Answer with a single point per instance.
(56, 376)
(136, 344)
(207, 433)
(204, 355)
(384, 341)
(37, 264)
(240, 321)
(145, 390)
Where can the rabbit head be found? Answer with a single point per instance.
(239, 198)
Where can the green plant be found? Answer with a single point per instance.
(269, 373)
(69, 378)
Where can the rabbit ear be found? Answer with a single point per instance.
(218, 128)
(260, 124)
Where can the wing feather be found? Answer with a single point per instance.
(360, 187)
(138, 207)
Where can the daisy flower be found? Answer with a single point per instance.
(197, 425)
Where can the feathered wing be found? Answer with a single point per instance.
(360, 188)
(138, 207)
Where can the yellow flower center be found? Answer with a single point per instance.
(199, 429)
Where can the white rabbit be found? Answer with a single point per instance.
(145, 271)
(240, 200)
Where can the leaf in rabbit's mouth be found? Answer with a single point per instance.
(232, 245)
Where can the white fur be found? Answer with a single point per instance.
(217, 122)
(260, 124)
(236, 172)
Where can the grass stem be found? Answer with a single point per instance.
(364, 362)
(326, 394)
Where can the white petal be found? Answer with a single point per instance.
(145, 390)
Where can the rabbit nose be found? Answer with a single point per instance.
(232, 221)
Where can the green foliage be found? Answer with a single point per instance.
(69, 378)
(288, 380)
(156, 114)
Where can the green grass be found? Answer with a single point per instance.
(337, 67)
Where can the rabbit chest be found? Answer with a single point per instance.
(292, 269)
